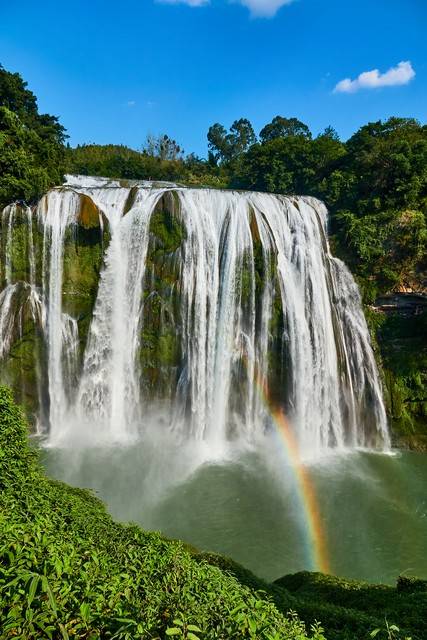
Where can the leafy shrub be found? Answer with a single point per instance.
(350, 609)
(67, 570)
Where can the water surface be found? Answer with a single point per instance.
(373, 506)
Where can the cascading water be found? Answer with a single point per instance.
(250, 295)
(109, 389)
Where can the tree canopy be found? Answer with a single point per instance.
(281, 127)
(31, 144)
(374, 184)
(226, 147)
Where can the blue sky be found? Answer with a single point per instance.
(115, 71)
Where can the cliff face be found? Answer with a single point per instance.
(399, 326)
(26, 243)
(23, 273)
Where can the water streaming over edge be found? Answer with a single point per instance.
(330, 387)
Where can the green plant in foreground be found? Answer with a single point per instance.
(183, 630)
(68, 571)
(390, 631)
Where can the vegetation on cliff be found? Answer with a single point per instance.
(31, 144)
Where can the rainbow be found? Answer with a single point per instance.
(315, 534)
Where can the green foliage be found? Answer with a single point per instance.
(226, 147)
(162, 147)
(379, 211)
(350, 609)
(390, 632)
(281, 127)
(403, 349)
(153, 163)
(31, 144)
(67, 570)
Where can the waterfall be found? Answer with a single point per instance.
(109, 389)
(223, 292)
(56, 212)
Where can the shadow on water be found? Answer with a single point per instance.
(373, 506)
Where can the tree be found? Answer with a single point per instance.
(281, 127)
(242, 136)
(15, 96)
(329, 133)
(379, 212)
(283, 165)
(218, 144)
(388, 163)
(31, 144)
(225, 147)
(162, 147)
(29, 165)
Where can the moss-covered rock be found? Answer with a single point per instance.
(89, 215)
(83, 257)
(160, 353)
(20, 243)
(22, 345)
(399, 339)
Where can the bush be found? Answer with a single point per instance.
(67, 570)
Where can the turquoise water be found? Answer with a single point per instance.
(373, 506)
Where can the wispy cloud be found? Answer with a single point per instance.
(258, 8)
(131, 103)
(399, 75)
(264, 8)
(190, 3)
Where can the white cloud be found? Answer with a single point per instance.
(191, 3)
(402, 74)
(258, 8)
(264, 8)
(131, 103)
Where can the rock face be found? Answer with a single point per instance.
(400, 327)
(222, 308)
(24, 246)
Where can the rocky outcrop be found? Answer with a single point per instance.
(399, 327)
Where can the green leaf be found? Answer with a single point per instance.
(173, 631)
(48, 591)
(85, 611)
(252, 625)
(241, 606)
(32, 590)
(178, 622)
(374, 633)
